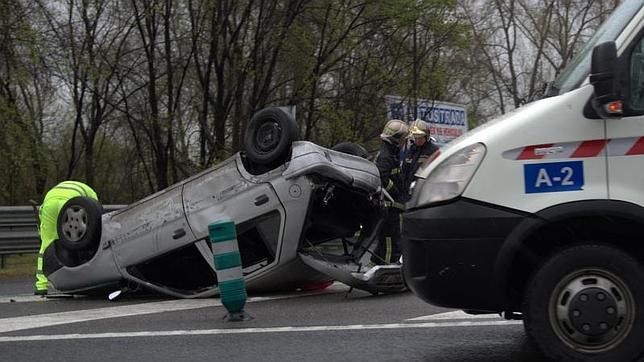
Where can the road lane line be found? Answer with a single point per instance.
(457, 314)
(28, 298)
(22, 299)
(53, 319)
(353, 327)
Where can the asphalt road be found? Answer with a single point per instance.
(329, 325)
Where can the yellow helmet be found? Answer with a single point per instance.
(419, 128)
(395, 130)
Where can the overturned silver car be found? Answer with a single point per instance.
(304, 215)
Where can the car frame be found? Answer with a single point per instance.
(304, 215)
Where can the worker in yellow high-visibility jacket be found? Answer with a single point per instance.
(49, 210)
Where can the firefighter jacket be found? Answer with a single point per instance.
(388, 163)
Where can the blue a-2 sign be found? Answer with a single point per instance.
(553, 177)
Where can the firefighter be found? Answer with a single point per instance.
(48, 214)
(388, 162)
(420, 150)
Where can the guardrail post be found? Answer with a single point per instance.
(230, 278)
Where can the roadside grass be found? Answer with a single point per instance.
(18, 265)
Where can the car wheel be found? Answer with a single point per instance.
(587, 302)
(79, 224)
(269, 136)
(351, 148)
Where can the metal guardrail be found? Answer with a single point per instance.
(18, 232)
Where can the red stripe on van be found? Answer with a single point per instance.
(528, 152)
(589, 148)
(638, 148)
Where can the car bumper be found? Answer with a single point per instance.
(450, 253)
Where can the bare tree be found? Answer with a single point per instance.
(25, 93)
(524, 43)
(87, 38)
(166, 67)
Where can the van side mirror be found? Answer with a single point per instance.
(606, 101)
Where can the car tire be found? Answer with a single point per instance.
(79, 224)
(587, 302)
(269, 137)
(351, 148)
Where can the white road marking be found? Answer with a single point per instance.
(352, 327)
(457, 314)
(53, 319)
(22, 299)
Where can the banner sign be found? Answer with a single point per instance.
(447, 120)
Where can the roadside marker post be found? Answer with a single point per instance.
(230, 278)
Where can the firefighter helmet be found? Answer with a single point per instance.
(419, 128)
(395, 131)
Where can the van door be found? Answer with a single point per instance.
(625, 136)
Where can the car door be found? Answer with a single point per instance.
(224, 193)
(150, 227)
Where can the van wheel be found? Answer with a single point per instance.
(269, 136)
(79, 224)
(587, 302)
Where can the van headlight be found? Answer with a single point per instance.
(450, 178)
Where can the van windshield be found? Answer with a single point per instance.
(578, 69)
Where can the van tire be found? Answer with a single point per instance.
(562, 299)
(79, 224)
(269, 137)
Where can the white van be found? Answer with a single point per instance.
(540, 214)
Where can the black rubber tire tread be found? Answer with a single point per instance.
(288, 134)
(536, 300)
(351, 148)
(92, 237)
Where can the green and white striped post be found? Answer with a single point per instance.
(230, 278)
